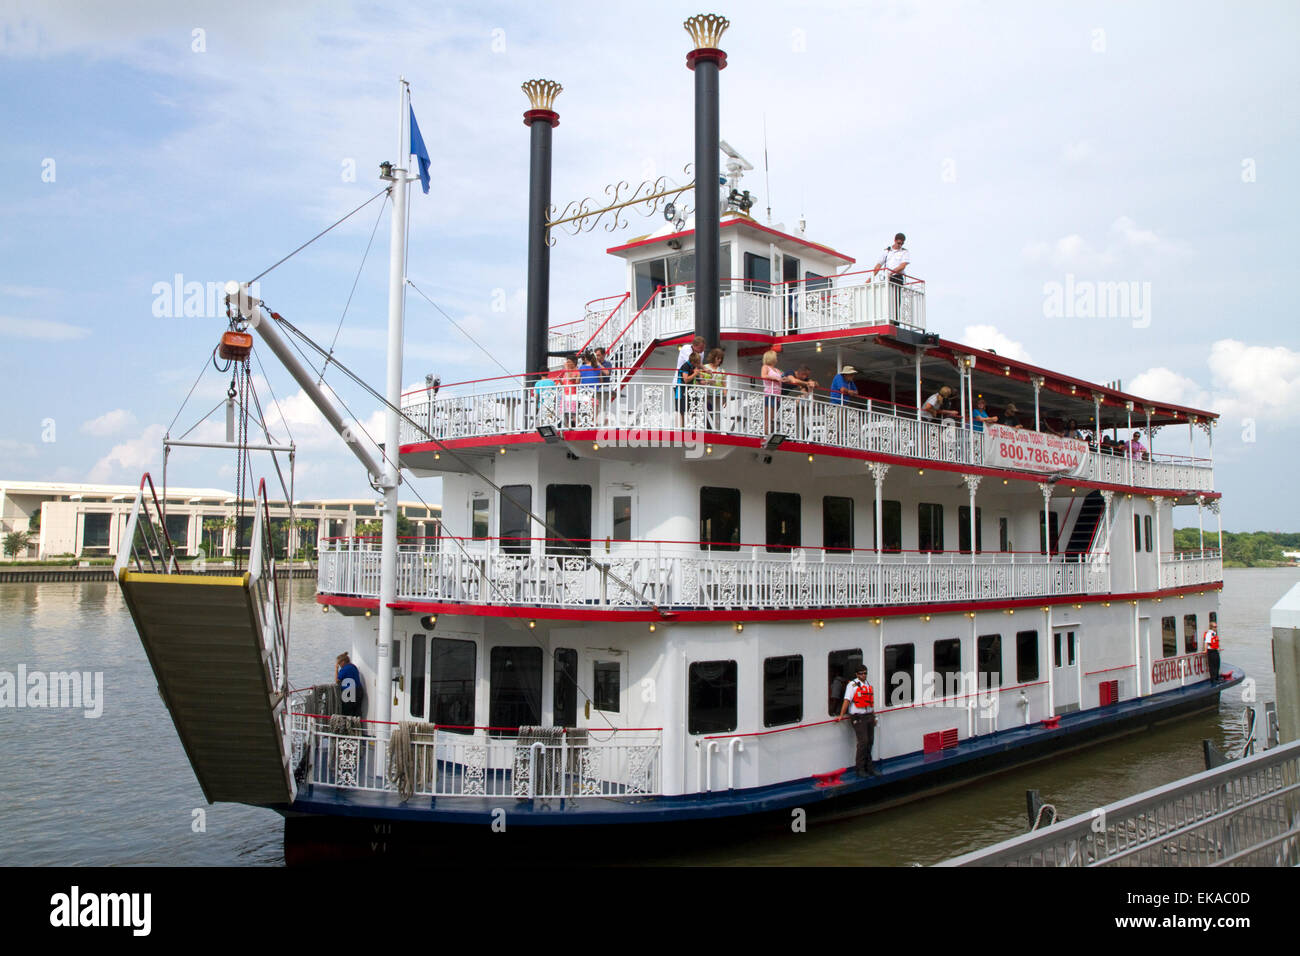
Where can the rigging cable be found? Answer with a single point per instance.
(462, 331)
(348, 304)
(279, 262)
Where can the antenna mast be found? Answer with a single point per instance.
(767, 178)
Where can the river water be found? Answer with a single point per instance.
(118, 789)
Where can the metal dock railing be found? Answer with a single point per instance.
(1244, 813)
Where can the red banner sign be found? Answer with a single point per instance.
(1032, 451)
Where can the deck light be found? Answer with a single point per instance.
(773, 441)
(502, 449)
(595, 446)
(876, 621)
(1004, 481)
(819, 346)
(550, 434)
(925, 617)
(436, 455)
(708, 449)
(971, 615)
(810, 457)
(367, 612)
(819, 624)
(739, 627)
(920, 471)
(1105, 604)
(1011, 610)
(429, 622)
(652, 627)
(324, 608)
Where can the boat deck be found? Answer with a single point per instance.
(827, 795)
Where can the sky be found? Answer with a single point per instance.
(1025, 148)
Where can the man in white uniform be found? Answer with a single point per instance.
(895, 260)
(860, 707)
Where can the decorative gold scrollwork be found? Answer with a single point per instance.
(583, 215)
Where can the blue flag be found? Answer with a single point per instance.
(420, 153)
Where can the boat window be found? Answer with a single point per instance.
(929, 527)
(415, 692)
(963, 530)
(621, 519)
(1189, 633)
(720, 519)
(1168, 636)
(900, 664)
(947, 667)
(783, 531)
(711, 707)
(607, 689)
(452, 666)
(782, 690)
(1026, 657)
(650, 275)
(1146, 525)
(758, 273)
(1056, 649)
(891, 526)
(568, 512)
(1004, 536)
(1071, 645)
(837, 523)
(1214, 620)
(478, 516)
(814, 281)
(988, 654)
(515, 687)
(516, 528)
(564, 688)
(1137, 533)
(840, 668)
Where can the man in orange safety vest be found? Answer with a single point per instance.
(860, 707)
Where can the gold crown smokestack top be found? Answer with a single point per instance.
(706, 60)
(540, 120)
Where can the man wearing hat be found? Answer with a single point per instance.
(860, 707)
(843, 385)
(1011, 416)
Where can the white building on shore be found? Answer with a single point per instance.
(67, 519)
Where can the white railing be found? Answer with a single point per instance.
(553, 763)
(1188, 568)
(670, 575)
(813, 305)
(650, 400)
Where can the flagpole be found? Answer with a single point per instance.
(383, 690)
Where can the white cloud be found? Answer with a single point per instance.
(16, 449)
(1247, 381)
(1081, 152)
(109, 423)
(1125, 247)
(989, 338)
(45, 329)
(130, 458)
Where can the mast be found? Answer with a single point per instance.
(391, 477)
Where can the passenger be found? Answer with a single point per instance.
(351, 692)
(588, 371)
(687, 375)
(1135, 447)
(695, 345)
(1011, 417)
(569, 380)
(772, 378)
(933, 408)
(1211, 640)
(603, 365)
(713, 375)
(844, 386)
(980, 416)
(801, 383)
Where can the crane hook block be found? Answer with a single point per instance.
(235, 345)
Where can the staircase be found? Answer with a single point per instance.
(218, 649)
(1085, 527)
